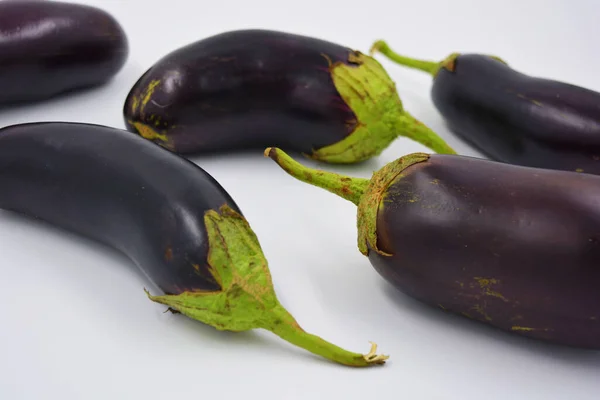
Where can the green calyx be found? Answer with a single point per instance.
(247, 299)
(372, 200)
(431, 67)
(371, 94)
(367, 194)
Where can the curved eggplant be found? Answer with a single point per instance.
(250, 89)
(515, 247)
(513, 117)
(48, 48)
(170, 217)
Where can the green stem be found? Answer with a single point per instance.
(286, 327)
(430, 67)
(346, 187)
(408, 126)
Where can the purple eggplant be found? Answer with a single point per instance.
(515, 247)
(170, 217)
(513, 117)
(49, 48)
(250, 89)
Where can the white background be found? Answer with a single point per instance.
(76, 324)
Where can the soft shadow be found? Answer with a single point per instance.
(460, 143)
(114, 87)
(363, 168)
(267, 342)
(54, 231)
(73, 95)
(218, 155)
(572, 355)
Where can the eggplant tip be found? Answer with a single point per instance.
(376, 46)
(373, 358)
(271, 152)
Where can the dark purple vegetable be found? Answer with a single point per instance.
(512, 246)
(250, 89)
(48, 48)
(170, 217)
(513, 117)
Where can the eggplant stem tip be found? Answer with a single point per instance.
(267, 151)
(373, 358)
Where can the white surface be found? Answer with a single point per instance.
(76, 324)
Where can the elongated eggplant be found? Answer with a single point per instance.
(251, 89)
(513, 117)
(512, 246)
(170, 217)
(49, 48)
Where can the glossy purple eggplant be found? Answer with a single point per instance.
(250, 89)
(515, 247)
(49, 48)
(513, 117)
(170, 217)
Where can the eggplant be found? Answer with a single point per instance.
(513, 117)
(515, 247)
(166, 214)
(50, 48)
(249, 89)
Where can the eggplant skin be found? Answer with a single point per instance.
(49, 48)
(514, 247)
(519, 119)
(83, 178)
(243, 89)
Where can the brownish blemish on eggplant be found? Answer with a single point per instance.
(141, 100)
(147, 132)
(135, 102)
(528, 329)
(168, 254)
(521, 328)
(149, 92)
(481, 310)
(485, 284)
